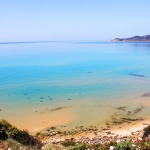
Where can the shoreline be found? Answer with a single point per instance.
(68, 115)
(132, 135)
(93, 136)
(82, 134)
(71, 117)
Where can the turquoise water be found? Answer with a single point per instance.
(34, 75)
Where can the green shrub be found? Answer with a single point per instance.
(3, 135)
(146, 131)
(123, 146)
(80, 146)
(23, 137)
(68, 143)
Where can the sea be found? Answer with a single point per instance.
(73, 83)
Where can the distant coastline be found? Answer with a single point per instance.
(145, 38)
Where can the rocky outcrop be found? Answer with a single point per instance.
(145, 38)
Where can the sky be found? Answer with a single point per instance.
(36, 20)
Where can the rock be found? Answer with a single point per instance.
(108, 132)
(53, 128)
(132, 133)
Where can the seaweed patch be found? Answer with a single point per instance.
(138, 110)
(54, 109)
(137, 75)
(146, 95)
(121, 108)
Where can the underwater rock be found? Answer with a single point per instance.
(129, 113)
(146, 95)
(57, 108)
(137, 75)
(121, 108)
(54, 109)
(115, 122)
(138, 109)
(131, 119)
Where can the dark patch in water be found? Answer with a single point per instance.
(146, 95)
(129, 113)
(54, 109)
(137, 110)
(41, 97)
(121, 108)
(25, 93)
(68, 99)
(137, 75)
(126, 116)
(51, 98)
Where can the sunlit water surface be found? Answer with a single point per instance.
(73, 83)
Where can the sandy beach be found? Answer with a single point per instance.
(129, 115)
(91, 136)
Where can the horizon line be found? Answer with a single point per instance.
(53, 41)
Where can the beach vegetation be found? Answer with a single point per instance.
(146, 131)
(15, 137)
(12, 137)
(68, 143)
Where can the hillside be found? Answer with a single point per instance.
(145, 38)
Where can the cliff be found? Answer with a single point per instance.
(145, 38)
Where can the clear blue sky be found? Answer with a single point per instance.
(25, 20)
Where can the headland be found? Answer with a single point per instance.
(145, 38)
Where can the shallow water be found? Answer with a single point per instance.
(81, 81)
